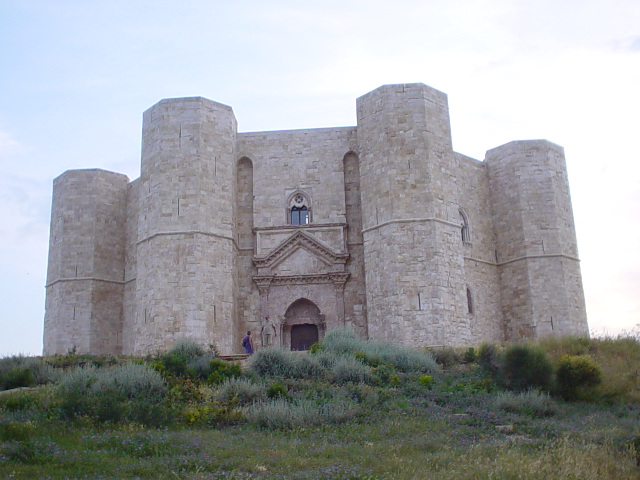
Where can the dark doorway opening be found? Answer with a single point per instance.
(303, 336)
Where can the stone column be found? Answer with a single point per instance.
(339, 280)
(264, 285)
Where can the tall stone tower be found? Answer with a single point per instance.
(185, 248)
(86, 263)
(413, 261)
(536, 242)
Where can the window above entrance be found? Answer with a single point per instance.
(299, 209)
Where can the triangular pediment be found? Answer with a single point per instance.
(303, 248)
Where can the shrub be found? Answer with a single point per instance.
(132, 380)
(526, 367)
(185, 391)
(201, 367)
(383, 374)
(577, 377)
(489, 359)
(425, 381)
(470, 355)
(532, 402)
(556, 347)
(210, 414)
(327, 359)
(278, 390)
(279, 414)
(274, 362)
(130, 392)
(349, 370)
(242, 391)
(343, 341)
(445, 356)
(18, 377)
(346, 342)
(182, 360)
(12, 430)
(221, 370)
(372, 361)
(17, 401)
(19, 371)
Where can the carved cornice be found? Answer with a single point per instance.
(263, 284)
(267, 281)
(339, 278)
(300, 239)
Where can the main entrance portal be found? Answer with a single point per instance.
(303, 325)
(303, 336)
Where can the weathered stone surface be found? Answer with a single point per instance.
(402, 238)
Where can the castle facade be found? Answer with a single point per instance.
(380, 227)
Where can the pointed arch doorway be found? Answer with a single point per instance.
(303, 325)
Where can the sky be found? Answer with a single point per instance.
(76, 75)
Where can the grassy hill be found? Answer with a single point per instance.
(350, 409)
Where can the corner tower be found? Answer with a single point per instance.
(186, 249)
(414, 264)
(85, 275)
(536, 251)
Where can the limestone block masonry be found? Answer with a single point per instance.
(380, 227)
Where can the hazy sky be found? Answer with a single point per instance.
(75, 77)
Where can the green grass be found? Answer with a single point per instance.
(415, 443)
(300, 422)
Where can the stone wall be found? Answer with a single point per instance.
(480, 267)
(305, 160)
(129, 310)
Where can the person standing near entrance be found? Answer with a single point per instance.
(268, 332)
(247, 343)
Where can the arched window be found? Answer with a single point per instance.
(299, 209)
(299, 215)
(464, 227)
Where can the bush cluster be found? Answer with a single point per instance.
(275, 362)
(241, 391)
(280, 414)
(374, 353)
(445, 356)
(577, 377)
(343, 358)
(186, 360)
(490, 359)
(19, 371)
(129, 392)
(526, 367)
(523, 367)
(531, 402)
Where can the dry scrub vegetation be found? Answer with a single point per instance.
(348, 409)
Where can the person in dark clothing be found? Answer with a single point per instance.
(247, 343)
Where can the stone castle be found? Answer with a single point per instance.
(380, 227)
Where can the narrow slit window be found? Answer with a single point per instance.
(464, 227)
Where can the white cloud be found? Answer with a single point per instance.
(9, 146)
